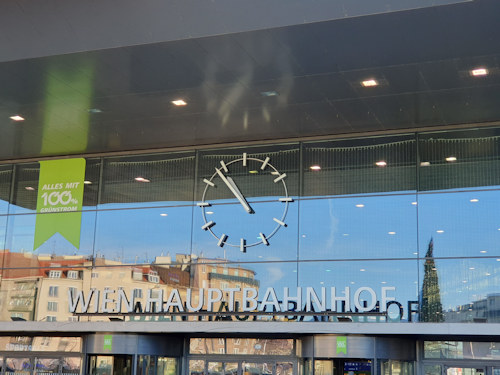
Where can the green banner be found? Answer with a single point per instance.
(108, 342)
(342, 344)
(59, 202)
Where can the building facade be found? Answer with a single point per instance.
(315, 195)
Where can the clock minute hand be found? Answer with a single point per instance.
(236, 192)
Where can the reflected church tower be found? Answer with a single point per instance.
(431, 309)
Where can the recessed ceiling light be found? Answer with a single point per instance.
(179, 102)
(328, 270)
(440, 231)
(391, 233)
(425, 163)
(471, 268)
(474, 200)
(87, 182)
(381, 163)
(414, 203)
(315, 167)
(17, 118)
(383, 282)
(163, 214)
(345, 234)
(479, 72)
(362, 270)
(269, 93)
(141, 179)
(483, 251)
(30, 188)
(369, 82)
(488, 274)
(360, 205)
(415, 253)
(209, 212)
(451, 158)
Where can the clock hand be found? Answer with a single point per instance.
(236, 192)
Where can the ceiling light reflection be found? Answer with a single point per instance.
(479, 72)
(141, 179)
(87, 182)
(178, 102)
(451, 158)
(381, 163)
(369, 82)
(315, 167)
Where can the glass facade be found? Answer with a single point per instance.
(406, 224)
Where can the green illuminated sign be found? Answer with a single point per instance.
(342, 344)
(59, 202)
(108, 342)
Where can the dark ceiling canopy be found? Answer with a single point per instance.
(294, 81)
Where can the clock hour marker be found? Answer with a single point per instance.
(279, 222)
(264, 164)
(244, 159)
(208, 225)
(287, 199)
(243, 245)
(221, 240)
(264, 239)
(281, 177)
(224, 166)
(208, 182)
(203, 204)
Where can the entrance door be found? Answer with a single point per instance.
(110, 365)
(464, 370)
(241, 367)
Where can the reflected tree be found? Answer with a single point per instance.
(431, 309)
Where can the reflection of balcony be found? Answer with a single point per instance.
(234, 279)
(21, 308)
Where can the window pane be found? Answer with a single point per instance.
(165, 179)
(359, 227)
(142, 235)
(206, 346)
(360, 166)
(460, 290)
(167, 366)
(21, 235)
(460, 159)
(460, 223)
(366, 282)
(5, 184)
(71, 365)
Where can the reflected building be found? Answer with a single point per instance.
(431, 309)
(42, 293)
(486, 310)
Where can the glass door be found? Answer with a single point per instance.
(110, 365)
(465, 370)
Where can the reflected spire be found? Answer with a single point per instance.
(430, 303)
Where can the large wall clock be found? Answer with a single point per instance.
(239, 188)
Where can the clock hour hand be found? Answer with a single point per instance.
(236, 192)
